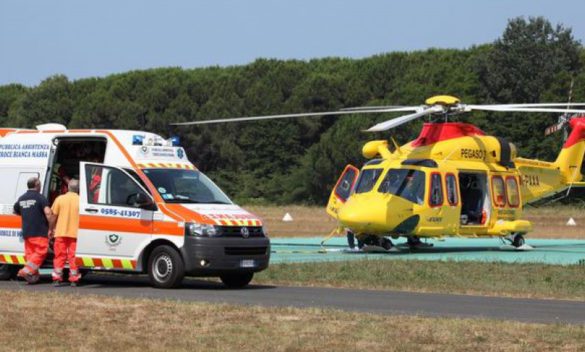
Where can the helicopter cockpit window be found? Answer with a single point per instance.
(367, 180)
(405, 183)
(345, 184)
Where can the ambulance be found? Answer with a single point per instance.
(144, 208)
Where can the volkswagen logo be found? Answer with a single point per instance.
(245, 232)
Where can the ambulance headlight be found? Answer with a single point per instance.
(202, 230)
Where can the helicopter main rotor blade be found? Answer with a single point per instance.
(284, 116)
(379, 107)
(514, 109)
(536, 105)
(386, 125)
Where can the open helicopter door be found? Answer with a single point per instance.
(342, 189)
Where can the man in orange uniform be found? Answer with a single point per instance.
(37, 218)
(66, 209)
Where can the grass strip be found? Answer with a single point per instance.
(491, 279)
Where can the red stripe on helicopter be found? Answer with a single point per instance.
(432, 133)
(577, 131)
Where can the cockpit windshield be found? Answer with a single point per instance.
(185, 186)
(405, 183)
(367, 180)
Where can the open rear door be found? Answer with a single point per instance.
(342, 189)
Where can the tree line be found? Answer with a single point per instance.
(298, 160)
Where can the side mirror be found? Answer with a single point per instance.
(140, 200)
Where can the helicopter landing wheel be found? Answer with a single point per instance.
(413, 241)
(386, 243)
(518, 240)
(375, 241)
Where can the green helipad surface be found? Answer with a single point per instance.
(563, 252)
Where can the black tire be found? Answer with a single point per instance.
(8, 271)
(386, 243)
(518, 241)
(413, 241)
(236, 280)
(165, 267)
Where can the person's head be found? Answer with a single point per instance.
(34, 183)
(73, 185)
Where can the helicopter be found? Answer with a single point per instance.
(452, 180)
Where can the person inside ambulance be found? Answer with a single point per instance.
(95, 184)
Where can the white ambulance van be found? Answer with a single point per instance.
(144, 208)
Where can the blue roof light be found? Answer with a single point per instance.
(137, 139)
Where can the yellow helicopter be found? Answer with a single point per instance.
(453, 180)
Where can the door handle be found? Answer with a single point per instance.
(91, 210)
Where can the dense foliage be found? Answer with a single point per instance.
(299, 160)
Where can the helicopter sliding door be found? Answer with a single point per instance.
(475, 201)
(342, 189)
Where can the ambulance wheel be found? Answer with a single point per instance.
(236, 280)
(165, 267)
(518, 240)
(8, 271)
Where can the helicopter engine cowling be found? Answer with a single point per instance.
(460, 141)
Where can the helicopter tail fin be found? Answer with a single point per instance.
(570, 159)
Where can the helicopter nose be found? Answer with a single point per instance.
(373, 214)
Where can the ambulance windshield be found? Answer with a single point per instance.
(186, 186)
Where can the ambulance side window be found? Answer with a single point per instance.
(110, 186)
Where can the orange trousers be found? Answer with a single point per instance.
(35, 252)
(65, 248)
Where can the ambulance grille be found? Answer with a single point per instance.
(246, 250)
(236, 231)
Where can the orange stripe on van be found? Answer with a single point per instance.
(189, 215)
(109, 223)
(13, 221)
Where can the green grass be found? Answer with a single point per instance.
(501, 279)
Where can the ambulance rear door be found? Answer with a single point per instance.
(116, 217)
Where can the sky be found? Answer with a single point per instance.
(82, 39)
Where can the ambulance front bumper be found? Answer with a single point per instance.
(212, 256)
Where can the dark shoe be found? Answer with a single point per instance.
(32, 279)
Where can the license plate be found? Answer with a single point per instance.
(247, 263)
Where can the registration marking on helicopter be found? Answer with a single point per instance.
(473, 153)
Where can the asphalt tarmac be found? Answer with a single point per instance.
(379, 302)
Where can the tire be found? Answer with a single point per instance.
(165, 267)
(8, 271)
(518, 241)
(236, 280)
(386, 243)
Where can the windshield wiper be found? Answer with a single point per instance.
(183, 200)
